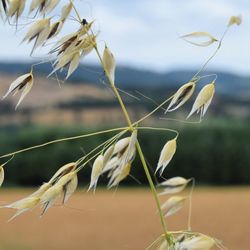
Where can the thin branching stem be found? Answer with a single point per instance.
(63, 139)
(213, 55)
(141, 155)
(103, 145)
(159, 129)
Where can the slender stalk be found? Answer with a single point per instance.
(160, 129)
(213, 55)
(63, 139)
(142, 158)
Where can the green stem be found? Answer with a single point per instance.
(142, 158)
(127, 117)
(63, 139)
(154, 192)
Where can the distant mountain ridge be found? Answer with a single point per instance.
(127, 78)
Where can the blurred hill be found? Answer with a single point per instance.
(87, 98)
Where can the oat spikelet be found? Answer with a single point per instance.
(72, 59)
(69, 184)
(74, 38)
(72, 48)
(16, 7)
(37, 4)
(40, 31)
(173, 205)
(181, 96)
(166, 155)
(235, 20)
(87, 44)
(2, 170)
(197, 242)
(119, 164)
(23, 205)
(119, 174)
(69, 188)
(96, 172)
(121, 145)
(23, 83)
(66, 9)
(55, 28)
(111, 164)
(174, 185)
(49, 6)
(108, 154)
(129, 153)
(50, 196)
(73, 64)
(64, 43)
(203, 100)
(193, 38)
(109, 63)
(1, 175)
(37, 27)
(65, 169)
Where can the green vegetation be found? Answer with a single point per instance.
(213, 152)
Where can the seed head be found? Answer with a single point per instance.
(109, 63)
(23, 83)
(181, 96)
(66, 9)
(96, 171)
(55, 28)
(173, 205)
(166, 155)
(39, 30)
(107, 155)
(203, 100)
(16, 7)
(69, 188)
(65, 169)
(174, 185)
(119, 174)
(193, 38)
(1, 175)
(235, 20)
(23, 205)
(197, 242)
(50, 197)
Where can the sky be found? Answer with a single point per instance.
(146, 33)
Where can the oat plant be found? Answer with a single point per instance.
(114, 157)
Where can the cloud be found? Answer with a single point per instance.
(145, 33)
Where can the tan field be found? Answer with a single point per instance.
(126, 219)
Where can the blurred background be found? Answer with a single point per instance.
(152, 63)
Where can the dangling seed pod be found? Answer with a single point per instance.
(109, 63)
(166, 155)
(203, 100)
(23, 83)
(181, 96)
